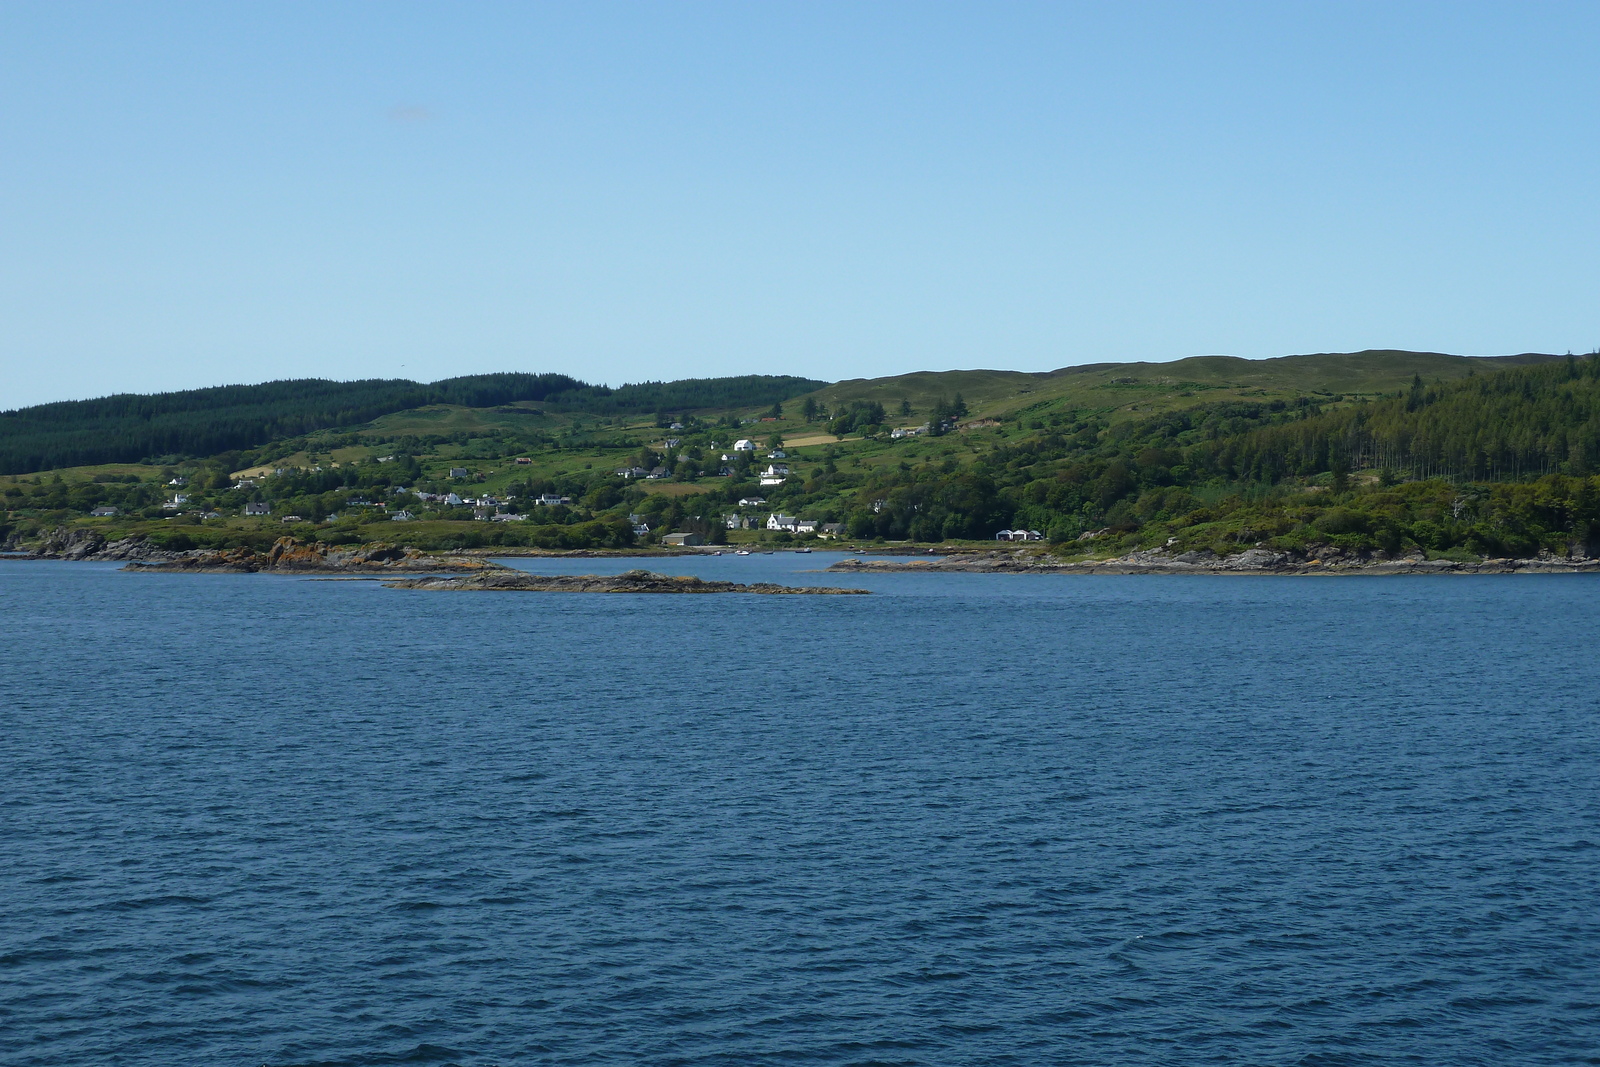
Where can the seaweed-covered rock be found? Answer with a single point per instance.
(635, 581)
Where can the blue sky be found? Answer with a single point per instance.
(207, 193)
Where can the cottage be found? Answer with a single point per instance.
(752, 501)
(506, 516)
(292, 518)
(806, 525)
(179, 481)
(402, 516)
(775, 470)
(736, 522)
(771, 480)
(831, 530)
(1019, 535)
(482, 514)
(551, 500)
(258, 509)
(777, 453)
(103, 513)
(686, 539)
(458, 472)
(453, 500)
(641, 529)
(676, 426)
(744, 444)
(673, 442)
(779, 521)
(178, 500)
(522, 461)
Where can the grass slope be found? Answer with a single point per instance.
(1113, 387)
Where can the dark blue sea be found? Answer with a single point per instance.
(971, 819)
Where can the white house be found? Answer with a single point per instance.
(771, 480)
(752, 501)
(258, 509)
(103, 513)
(806, 525)
(777, 453)
(452, 499)
(1019, 535)
(744, 444)
(551, 500)
(402, 516)
(778, 521)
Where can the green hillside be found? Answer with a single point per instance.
(201, 422)
(1361, 452)
(1131, 387)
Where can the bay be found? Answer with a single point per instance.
(970, 819)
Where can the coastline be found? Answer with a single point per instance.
(1255, 561)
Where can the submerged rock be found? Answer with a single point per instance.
(636, 581)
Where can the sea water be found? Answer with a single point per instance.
(970, 819)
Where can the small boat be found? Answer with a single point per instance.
(802, 550)
(742, 552)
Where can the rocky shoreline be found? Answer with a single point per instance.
(1249, 561)
(636, 581)
(288, 555)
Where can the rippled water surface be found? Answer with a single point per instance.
(971, 819)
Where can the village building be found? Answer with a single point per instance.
(744, 444)
(1019, 535)
(458, 472)
(779, 521)
(103, 513)
(258, 509)
(689, 540)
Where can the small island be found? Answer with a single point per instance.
(635, 581)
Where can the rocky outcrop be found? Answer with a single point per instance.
(1258, 560)
(638, 581)
(292, 555)
(86, 544)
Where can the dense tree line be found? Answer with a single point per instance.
(130, 428)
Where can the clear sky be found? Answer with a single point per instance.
(193, 194)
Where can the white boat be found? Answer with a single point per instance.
(742, 552)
